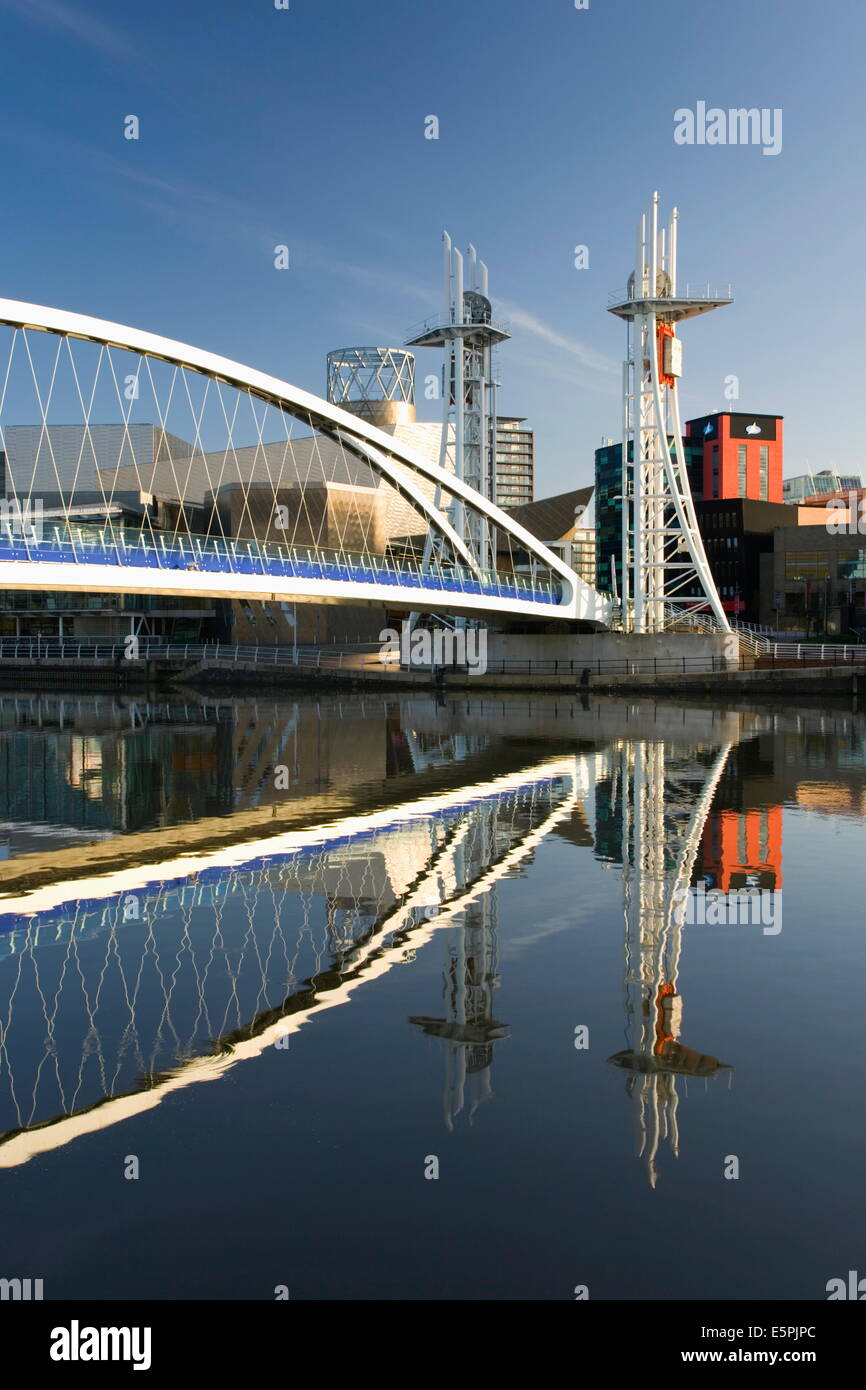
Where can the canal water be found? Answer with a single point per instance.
(382, 998)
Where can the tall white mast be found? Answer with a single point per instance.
(467, 334)
(664, 564)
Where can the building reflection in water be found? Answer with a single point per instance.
(412, 813)
(706, 822)
(168, 979)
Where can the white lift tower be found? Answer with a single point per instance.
(664, 564)
(468, 334)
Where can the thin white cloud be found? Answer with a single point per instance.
(75, 23)
(374, 333)
(209, 212)
(365, 275)
(592, 361)
(177, 201)
(562, 370)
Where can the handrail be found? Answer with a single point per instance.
(121, 548)
(368, 656)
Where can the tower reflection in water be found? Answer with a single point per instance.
(469, 1028)
(659, 800)
(115, 991)
(488, 849)
(121, 987)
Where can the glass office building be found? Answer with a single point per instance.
(822, 484)
(608, 505)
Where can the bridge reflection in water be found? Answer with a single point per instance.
(127, 980)
(174, 974)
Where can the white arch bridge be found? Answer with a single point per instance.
(98, 420)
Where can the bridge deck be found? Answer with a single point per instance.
(92, 546)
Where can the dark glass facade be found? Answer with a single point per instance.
(608, 517)
(608, 507)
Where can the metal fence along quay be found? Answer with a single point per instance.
(138, 652)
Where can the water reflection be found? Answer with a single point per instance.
(660, 798)
(212, 915)
(140, 981)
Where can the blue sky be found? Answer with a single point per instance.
(305, 127)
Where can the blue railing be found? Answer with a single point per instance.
(84, 545)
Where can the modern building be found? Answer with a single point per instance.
(815, 580)
(102, 475)
(608, 518)
(819, 485)
(608, 507)
(556, 521)
(742, 455)
(853, 500)
(110, 617)
(726, 455)
(377, 383)
(795, 568)
(514, 481)
(140, 477)
(62, 463)
(786, 567)
(736, 532)
(579, 552)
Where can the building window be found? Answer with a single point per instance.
(807, 564)
(853, 567)
(741, 470)
(765, 472)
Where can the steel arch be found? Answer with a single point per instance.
(579, 600)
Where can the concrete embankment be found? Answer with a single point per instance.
(817, 682)
(832, 682)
